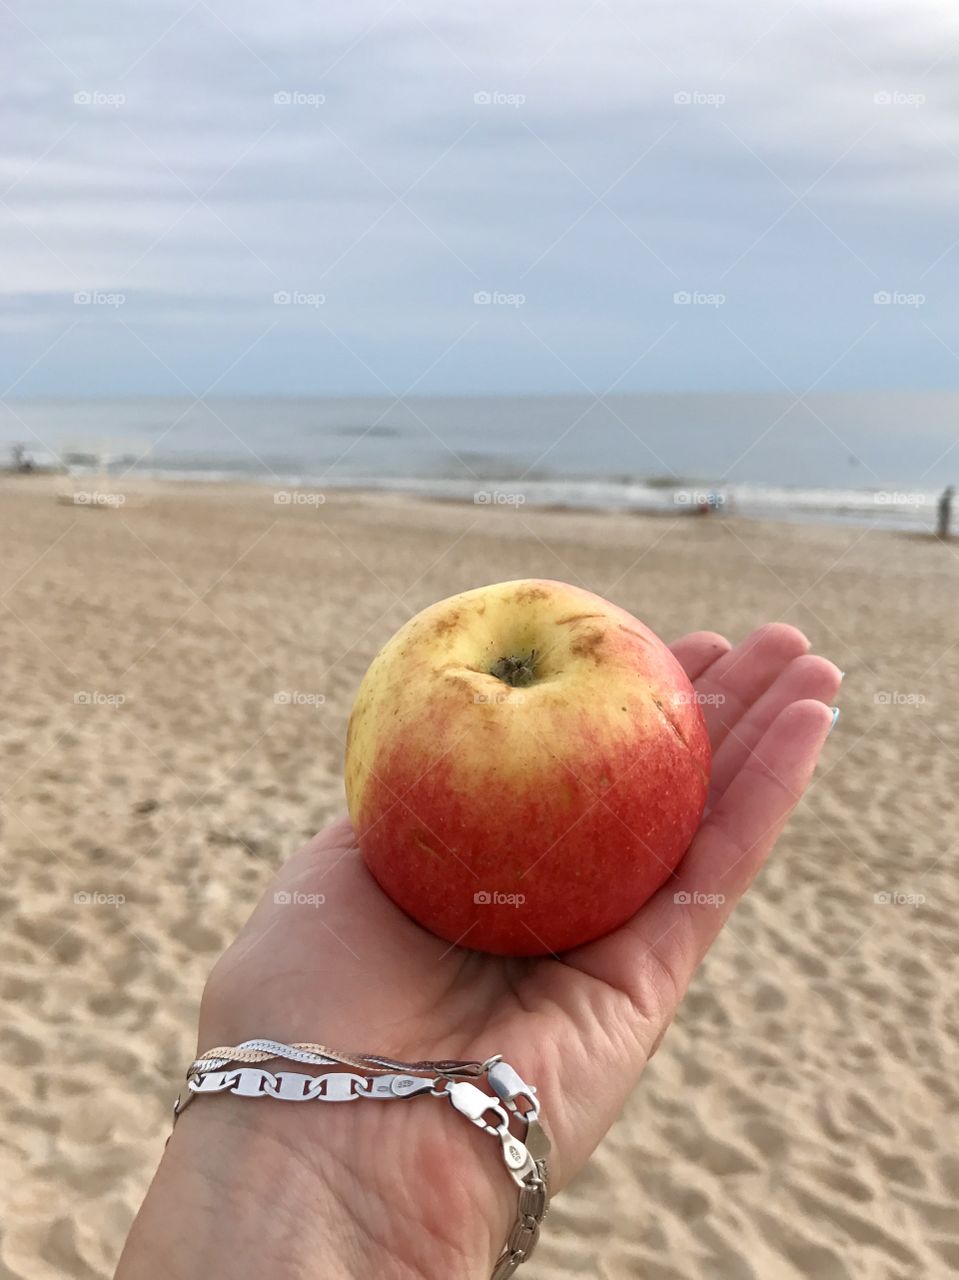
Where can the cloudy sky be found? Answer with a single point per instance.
(296, 198)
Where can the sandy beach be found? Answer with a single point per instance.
(179, 672)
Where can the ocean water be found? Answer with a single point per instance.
(868, 458)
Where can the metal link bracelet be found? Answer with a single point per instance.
(375, 1077)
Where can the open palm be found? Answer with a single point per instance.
(327, 957)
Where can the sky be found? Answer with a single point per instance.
(407, 196)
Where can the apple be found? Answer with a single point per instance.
(526, 764)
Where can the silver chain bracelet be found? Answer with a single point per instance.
(526, 1159)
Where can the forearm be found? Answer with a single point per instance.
(254, 1187)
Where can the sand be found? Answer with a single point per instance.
(800, 1120)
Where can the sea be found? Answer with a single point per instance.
(864, 458)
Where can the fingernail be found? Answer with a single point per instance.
(835, 718)
(842, 676)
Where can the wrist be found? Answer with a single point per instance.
(247, 1187)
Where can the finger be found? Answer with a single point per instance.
(806, 677)
(681, 921)
(698, 651)
(731, 685)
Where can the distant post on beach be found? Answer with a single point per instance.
(20, 460)
(945, 512)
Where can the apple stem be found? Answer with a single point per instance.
(516, 670)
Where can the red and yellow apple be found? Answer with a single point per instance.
(526, 764)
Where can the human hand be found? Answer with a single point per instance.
(408, 1187)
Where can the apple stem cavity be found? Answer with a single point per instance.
(516, 670)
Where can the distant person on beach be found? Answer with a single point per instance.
(945, 511)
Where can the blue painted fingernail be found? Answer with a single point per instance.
(835, 718)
